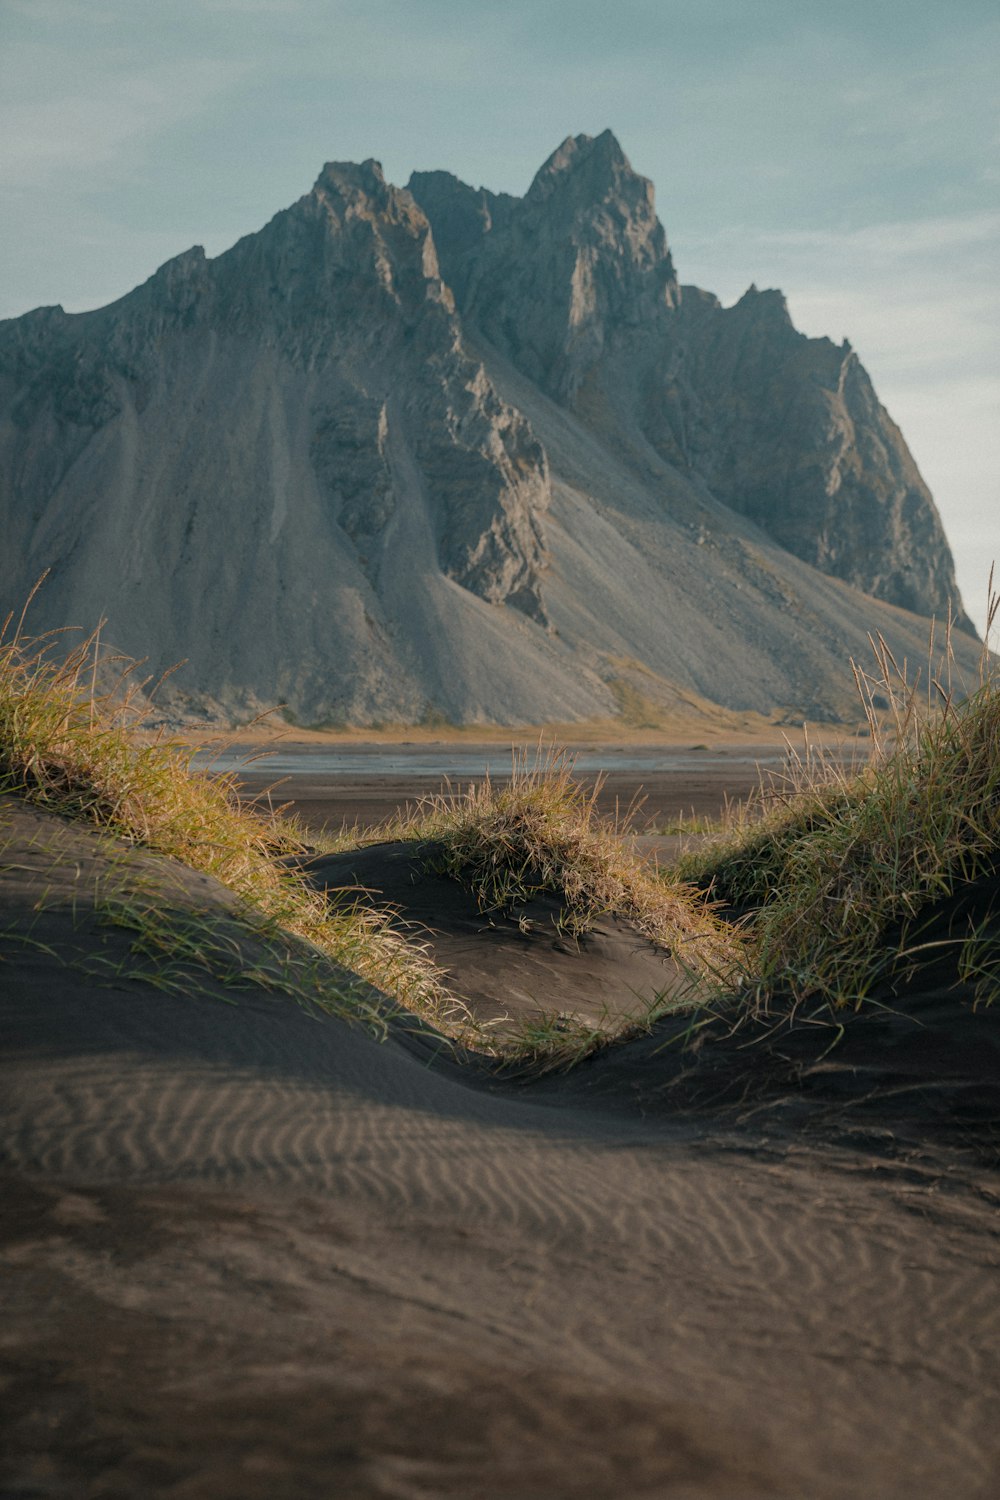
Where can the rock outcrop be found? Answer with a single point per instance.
(282, 415)
(788, 431)
(444, 452)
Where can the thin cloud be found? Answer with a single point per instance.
(900, 238)
(107, 121)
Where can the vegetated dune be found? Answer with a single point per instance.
(248, 1250)
(520, 963)
(921, 1058)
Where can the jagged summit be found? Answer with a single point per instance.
(596, 163)
(366, 176)
(553, 278)
(442, 451)
(576, 286)
(767, 302)
(461, 215)
(590, 189)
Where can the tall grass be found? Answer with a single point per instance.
(839, 874)
(83, 753)
(71, 749)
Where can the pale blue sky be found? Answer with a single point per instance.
(847, 153)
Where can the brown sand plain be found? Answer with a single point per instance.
(249, 1252)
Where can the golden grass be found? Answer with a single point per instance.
(541, 833)
(67, 748)
(74, 751)
(839, 871)
(833, 873)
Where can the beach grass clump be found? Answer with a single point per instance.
(744, 857)
(839, 876)
(73, 750)
(540, 833)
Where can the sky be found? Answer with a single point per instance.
(846, 153)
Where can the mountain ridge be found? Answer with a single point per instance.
(702, 402)
(339, 466)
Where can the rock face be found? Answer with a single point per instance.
(788, 431)
(575, 285)
(282, 418)
(553, 278)
(444, 452)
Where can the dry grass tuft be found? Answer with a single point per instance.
(833, 872)
(541, 833)
(838, 872)
(75, 751)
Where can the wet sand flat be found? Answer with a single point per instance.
(669, 782)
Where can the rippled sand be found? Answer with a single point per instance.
(248, 1253)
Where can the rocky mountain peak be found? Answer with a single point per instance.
(350, 192)
(574, 284)
(351, 253)
(366, 175)
(305, 467)
(595, 165)
(357, 183)
(590, 191)
(767, 306)
(557, 276)
(178, 283)
(461, 217)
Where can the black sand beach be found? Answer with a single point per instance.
(249, 1252)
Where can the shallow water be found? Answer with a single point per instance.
(461, 765)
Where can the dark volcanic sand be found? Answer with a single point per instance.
(246, 1253)
(516, 965)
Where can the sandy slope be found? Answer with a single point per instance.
(251, 1253)
(507, 965)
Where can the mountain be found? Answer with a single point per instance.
(443, 453)
(574, 283)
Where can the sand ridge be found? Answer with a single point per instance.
(504, 965)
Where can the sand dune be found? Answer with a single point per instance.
(506, 966)
(251, 1252)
